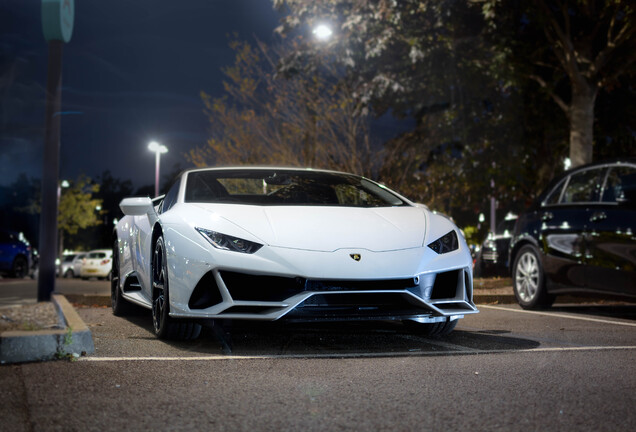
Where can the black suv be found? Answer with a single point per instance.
(579, 236)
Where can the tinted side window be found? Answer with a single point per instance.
(555, 195)
(620, 184)
(584, 187)
(171, 197)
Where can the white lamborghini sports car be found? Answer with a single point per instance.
(283, 243)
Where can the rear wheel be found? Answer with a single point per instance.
(528, 280)
(120, 306)
(165, 326)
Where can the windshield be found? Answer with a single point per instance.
(286, 187)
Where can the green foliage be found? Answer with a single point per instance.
(472, 234)
(77, 208)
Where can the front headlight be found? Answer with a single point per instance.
(446, 243)
(229, 243)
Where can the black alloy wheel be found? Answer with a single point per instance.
(165, 326)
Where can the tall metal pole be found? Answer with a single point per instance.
(50, 172)
(157, 156)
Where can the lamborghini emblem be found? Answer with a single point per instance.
(355, 257)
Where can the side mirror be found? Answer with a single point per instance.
(136, 206)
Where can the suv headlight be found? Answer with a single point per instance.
(229, 243)
(446, 243)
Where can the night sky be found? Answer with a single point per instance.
(132, 73)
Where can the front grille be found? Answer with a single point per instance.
(382, 305)
(275, 288)
(261, 288)
(490, 256)
(371, 285)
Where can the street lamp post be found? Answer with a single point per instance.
(158, 149)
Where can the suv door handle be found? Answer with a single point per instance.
(547, 216)
(598, 216)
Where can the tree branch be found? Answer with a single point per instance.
(559, 101)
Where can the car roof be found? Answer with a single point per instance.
(600, 164)
(268, 168)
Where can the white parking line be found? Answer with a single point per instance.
(355, 355)
(558, 315)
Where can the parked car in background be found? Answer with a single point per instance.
(492, 258)
(15, 254)
(97, 263)
(578, 237)
(70, 265)
(77, 263)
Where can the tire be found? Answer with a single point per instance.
(438, 329)
(69, 274)
(120, 306)
(528, 280)
(165, 326)
(19, 269)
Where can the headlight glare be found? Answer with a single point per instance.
(446, 243)
(229, 243)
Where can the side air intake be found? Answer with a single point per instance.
(206, 294)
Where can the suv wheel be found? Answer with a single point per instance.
(528, 280)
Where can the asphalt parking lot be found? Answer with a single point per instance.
(569, 368)
(497, 329)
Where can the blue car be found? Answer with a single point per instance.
(15, 254)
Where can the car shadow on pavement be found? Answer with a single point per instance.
(326, 339)
(353, 338)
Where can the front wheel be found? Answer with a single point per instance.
(528, 280)
(165, 326)
(119, 305)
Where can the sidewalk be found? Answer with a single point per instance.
(70, 339)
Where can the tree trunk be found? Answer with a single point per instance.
(581, 117)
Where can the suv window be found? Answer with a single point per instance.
(583, 187)
(555, 195)
(620, 184)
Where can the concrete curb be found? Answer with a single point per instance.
(26, 346)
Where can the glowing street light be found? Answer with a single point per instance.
(154, 146)
(322, 32)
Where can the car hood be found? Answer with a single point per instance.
(326, 228)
